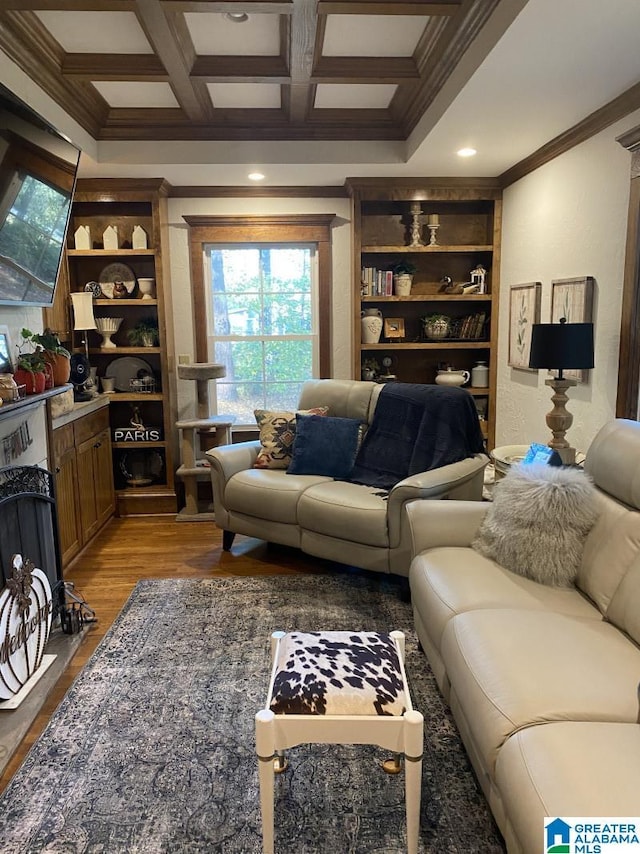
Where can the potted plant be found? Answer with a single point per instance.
(31, 366)
(144, 333)
(55, 355)
(436, 326)
(403, 273)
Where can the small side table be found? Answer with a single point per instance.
(506, 456)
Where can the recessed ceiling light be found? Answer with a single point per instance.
(466, 152)
(255, 176)
(237, 17)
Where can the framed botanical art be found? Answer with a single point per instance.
(524, 311)
(573, 299)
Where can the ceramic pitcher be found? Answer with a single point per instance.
(371, 325)
(452, 377)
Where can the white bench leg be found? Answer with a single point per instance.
(265, 749)
(413, 748)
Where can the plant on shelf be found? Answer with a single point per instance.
(436, 326)
(31, 365)
(404, 268)
(370, 369)
(144, 333)
(403, 278)
(54, 353)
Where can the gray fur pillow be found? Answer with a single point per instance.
(538, 521)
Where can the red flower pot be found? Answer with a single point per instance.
(34, 381)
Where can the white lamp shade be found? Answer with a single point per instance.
(83, 310)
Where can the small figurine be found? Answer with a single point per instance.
(119, 290)
(478, 278)
(448, 287)
(136, 419)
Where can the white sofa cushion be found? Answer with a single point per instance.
(568, 769)
(449, 581)
(513, 668)
(347, 511)
(267, 494)
(610, 549)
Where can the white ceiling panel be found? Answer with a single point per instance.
(215, 34)
(260, 96)
(118, 94)
(96, 32)
(372, 35)
(370, 96)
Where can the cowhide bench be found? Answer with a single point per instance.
(339, 688)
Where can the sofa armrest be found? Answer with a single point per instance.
(462, 480)
(444, 523)
(227, 460)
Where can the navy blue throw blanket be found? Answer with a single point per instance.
(416, 428)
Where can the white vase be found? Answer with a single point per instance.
(147, 288)
(402, 284)
(371, 325)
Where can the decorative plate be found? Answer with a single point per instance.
(93, 288)
(117, 281)
(125, 369)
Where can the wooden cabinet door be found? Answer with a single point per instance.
(67, 506)
(103, 472)
(86, 488)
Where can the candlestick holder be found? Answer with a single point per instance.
(416, 226)
(433, 231)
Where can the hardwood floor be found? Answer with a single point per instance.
(132, 548)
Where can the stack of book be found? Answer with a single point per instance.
(376, 283)
(470, 327)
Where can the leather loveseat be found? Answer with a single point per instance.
(337, 520)
(542, 681)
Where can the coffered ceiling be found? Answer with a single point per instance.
(312, 91)
(238, 70)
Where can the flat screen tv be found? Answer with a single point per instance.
(38, 168)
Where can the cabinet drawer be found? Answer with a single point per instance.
(88, 426)
(63, 441)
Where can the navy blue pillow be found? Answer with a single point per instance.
(325, 445)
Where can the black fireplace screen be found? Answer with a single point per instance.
(28, 523)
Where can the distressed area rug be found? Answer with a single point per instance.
(152, 749)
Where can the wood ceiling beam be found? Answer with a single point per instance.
(391, 7)
(236, 69)
(25, 40)
(356, 69)
(275, 7)
(121, 66)
(168, 42)
(297, 97)
(70, 5)
(437, 65)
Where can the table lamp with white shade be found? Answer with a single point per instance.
(83, 321)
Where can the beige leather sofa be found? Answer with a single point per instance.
(542, 681)
(336, 520)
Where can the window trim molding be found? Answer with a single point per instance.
(288, 228)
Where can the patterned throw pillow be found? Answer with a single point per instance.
(277, 433)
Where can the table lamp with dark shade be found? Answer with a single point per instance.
(559, 347)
